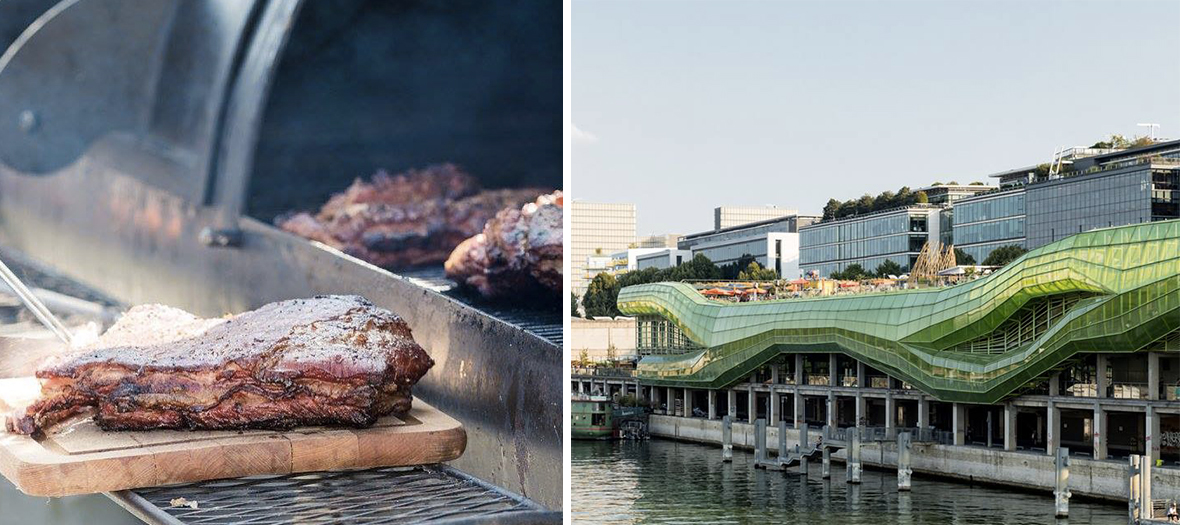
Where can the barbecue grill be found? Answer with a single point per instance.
(145, 149)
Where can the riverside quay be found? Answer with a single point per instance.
(1076, 344)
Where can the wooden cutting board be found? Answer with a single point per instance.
(79, 458)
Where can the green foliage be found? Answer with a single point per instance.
(601, 297)
(700, 267)
(977, 183)
(854, 272)
(755, 272)
(835, 209)
(920, 198)
(1004, 255)
(732, 270)
(1121, 142)
(964, 258)
(953, 183)
(889, 267)
(574, 305)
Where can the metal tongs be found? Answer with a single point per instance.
(33, 303)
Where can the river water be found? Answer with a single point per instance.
(669, 482)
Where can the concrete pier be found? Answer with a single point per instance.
(726, 439)
(854, 466)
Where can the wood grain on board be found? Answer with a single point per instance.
(79, 458)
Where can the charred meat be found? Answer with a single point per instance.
(330, 360)
(518, 253)
(409, 219)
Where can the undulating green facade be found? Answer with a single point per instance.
(1111, 290)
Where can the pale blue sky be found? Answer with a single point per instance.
(681, 106)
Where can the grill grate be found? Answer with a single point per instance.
(374, 496)
(543, 322)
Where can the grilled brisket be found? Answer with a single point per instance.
(518, 253)
(332, 360)
(409, 219)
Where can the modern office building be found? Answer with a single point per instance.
(1098, 189)
(985, 222)
(774, 243)
(664, 258)
(896, 235)
(730, 216)
(597, 229)
(1076, 344)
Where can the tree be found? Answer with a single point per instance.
(601, 297)
(953, 183)
(830, 209)
(574, 305)
(977, 183)
(889, 267)
(1004, 255)
(920, 198)
(964, 258)
(734, 269)
(854, 272)
(755, 272)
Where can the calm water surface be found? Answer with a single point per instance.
(670, 483)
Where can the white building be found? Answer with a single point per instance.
(774, 243)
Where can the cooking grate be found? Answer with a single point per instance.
(543, 322)
(432, 494)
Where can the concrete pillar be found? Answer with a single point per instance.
(854, 465)
(727, 438)
(1102, 366)
(798, 408)
(1061, 487)
(1052, 428)
(638, 391)
(861, 413)
(774, 373)
(773, 414)
(751, 404)
(904, 472)
(1153, 375)
(861, 380)
(833, 411)
(826, 468)
(687, 403)
(1152, 438)
(798, 369)
(923, 414)
(671, 401)
(890, 414)
(782, 441)
(759, 443)
(1009, 427)
(833, 374)
(712, 404)
(731, 405)
(959, 423)
(1055, 384)
(1099, 426)
(581, 387)
(804, 444)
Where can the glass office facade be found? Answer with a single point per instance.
(1064, 207)
(987, 222)
(868, 241)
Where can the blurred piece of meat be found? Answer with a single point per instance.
(519, 252)
(330, 360)
(410, 219)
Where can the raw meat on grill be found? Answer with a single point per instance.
(410, 219)
(518, 253)
(330, 360)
